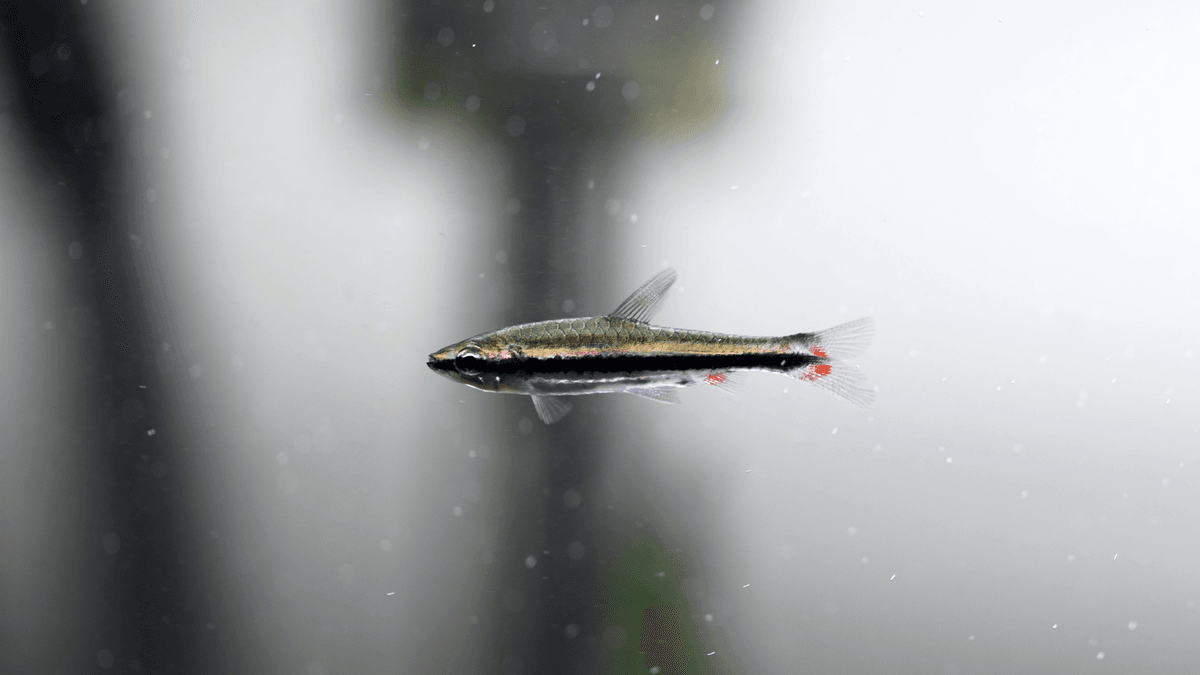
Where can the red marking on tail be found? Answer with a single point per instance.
(817, 351)
(715, 378)
(816, 372)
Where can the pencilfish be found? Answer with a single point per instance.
(623, 353)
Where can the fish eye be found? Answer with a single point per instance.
(468, 361)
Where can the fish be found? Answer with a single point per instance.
(623, 352)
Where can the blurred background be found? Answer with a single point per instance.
(231, 232)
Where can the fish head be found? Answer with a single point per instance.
(463, 362)
(478, 362)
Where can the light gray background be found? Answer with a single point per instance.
(1012, 190)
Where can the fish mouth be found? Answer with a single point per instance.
(442, 362)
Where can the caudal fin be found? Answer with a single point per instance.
(845, 341)
(842, 379)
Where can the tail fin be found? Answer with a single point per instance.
(837, 377)
(840, 342)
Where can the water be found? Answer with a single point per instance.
(223, 451)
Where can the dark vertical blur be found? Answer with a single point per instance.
(118, 596)
(567, 90)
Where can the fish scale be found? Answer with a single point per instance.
(609, 335)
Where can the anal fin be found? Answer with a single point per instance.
(660, 394)
(731, 382)
(550, 408)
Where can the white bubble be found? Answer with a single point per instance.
(111, 543)
(707, 12)
(571, 631)
(852, 531)
(708, 618)
(282, 458)
(590, 86)
(572, 498)
(488, 5)
(1100, 656)
(445, 36)
(530, 562)
(614, 636)
(515, 126)
(1132, 625)
(575, 550)
(458, 511)
(423, 143)
(603, 16)
(473, 103)
(630, 90)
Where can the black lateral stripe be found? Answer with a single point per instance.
(638, 363)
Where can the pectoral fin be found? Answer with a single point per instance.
(550, 408)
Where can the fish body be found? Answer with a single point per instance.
(623, 353)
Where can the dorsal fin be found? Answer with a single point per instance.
(645, 301)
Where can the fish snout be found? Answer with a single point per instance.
(441, 361)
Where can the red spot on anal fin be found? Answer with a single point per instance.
(715, 378)
(817, 351)
(815, 372)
